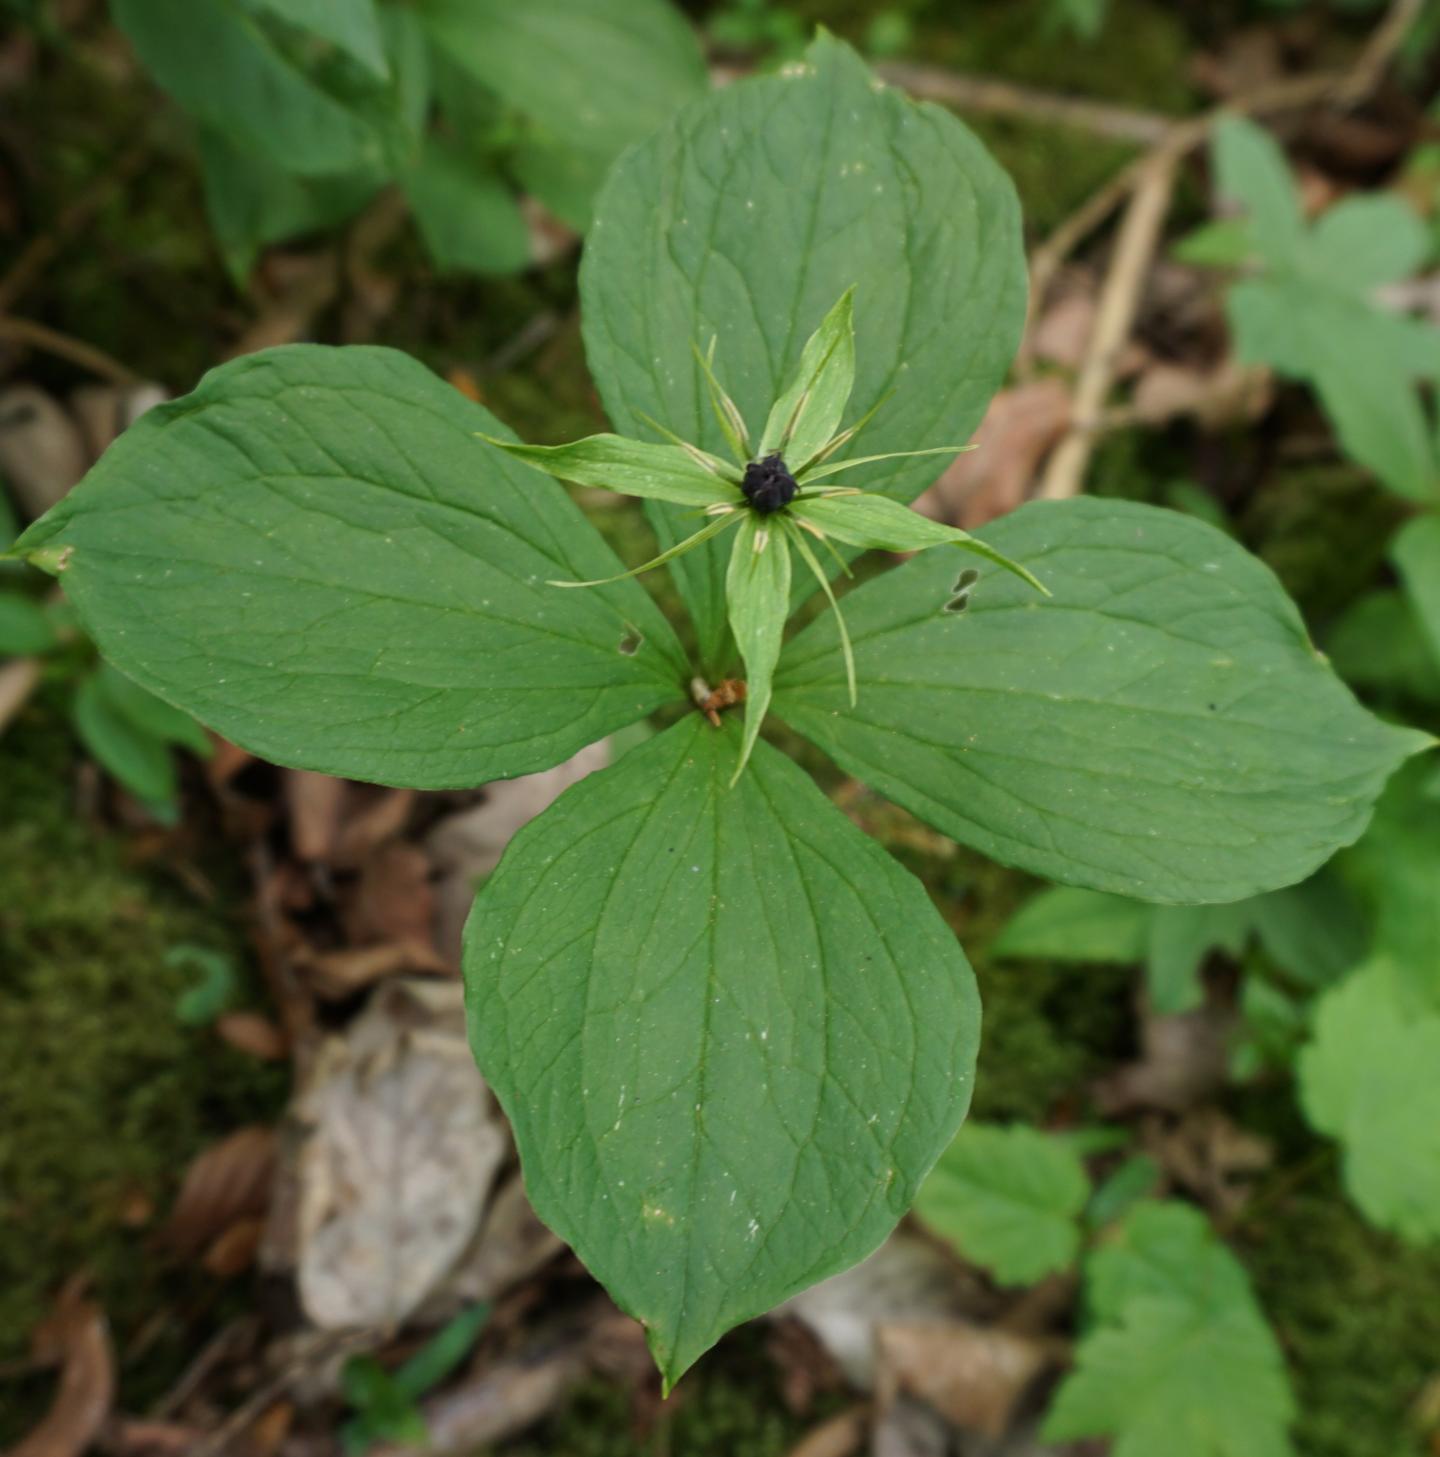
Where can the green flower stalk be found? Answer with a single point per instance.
(776, 493)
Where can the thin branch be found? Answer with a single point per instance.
(52, 341)
(1004, 98)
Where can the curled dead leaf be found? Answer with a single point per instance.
(229, 1182)
(78, 1335)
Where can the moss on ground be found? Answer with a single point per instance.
(106, 1096)
(1358, 1313)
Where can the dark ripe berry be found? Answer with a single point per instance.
(768, 486)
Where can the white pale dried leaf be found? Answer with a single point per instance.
(404, 1146)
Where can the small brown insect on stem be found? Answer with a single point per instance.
(730, 692)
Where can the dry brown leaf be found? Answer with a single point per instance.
(130, 1437)
(77, 1333)
(229, 1181)
(233, 1252)
(404, 1146)
(252, 1033)
(467, 846)
(1210, 1156)
(336, 975)
(973, 1376)
(392, 900)
(1019, 429)
(511, 1246)
(372, 820)
(42, 453)
(906, 1279)
(316, 802)
(1062, 334)
(1231, 394)
(839, 1437)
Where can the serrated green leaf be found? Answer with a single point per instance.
(636, 467)
(1167, 1378)
(1122, 1190)
(1161, 728)
(1416, 554)
(314, 554)
(1068, 923)
(1368, 1078)
(140, 761)
(24, 627)
(1224, 243)
(353, 25)
(1363, 242)
(1177, 1326)
(757, 595)
(1250, 169)
(467, 213)
(807, 412)
(595, 74)
(1009, 1199)
(224, 68)
(732, 1035)
(748, 216)
(1164, 1250)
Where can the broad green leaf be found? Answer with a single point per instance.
(1250, 169)
(151, 715)
(139, 760)
(443, 1352)
(732, 1035)
(1416, 554)
(253, 201)
(1365, 241)
(1316, 930)
(1168, 1378)
(1132, 1181)
(1371, 401)
(1274, 1025)
(466, 212)
(223, 67)
(636, 467)
(757, 593)
(353, 25)
(24, 627)
(1179, 940)
(314, 554)
(806, 415)
(1161, 728)
(1379, 644)
(1369, 1080)
(1009, 1199)
(1067, 923)
(1181, 1361)
(596, 74)
(878, 523)
(748, 216)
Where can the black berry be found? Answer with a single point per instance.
(768, 486)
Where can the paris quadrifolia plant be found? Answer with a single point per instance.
(732, 1035)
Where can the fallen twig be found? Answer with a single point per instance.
(1004, 98)
(18, 680)
(52, 341)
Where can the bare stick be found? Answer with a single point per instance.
(1002, 98)
(18, 680)
(1134, 250)
(52, 341)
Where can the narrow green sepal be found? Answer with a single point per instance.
(679, 549)
(807, 414)
(797, 535)
(635, 467)
(878, 523)
(812, 473)
(757, 599)
(727, 412)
